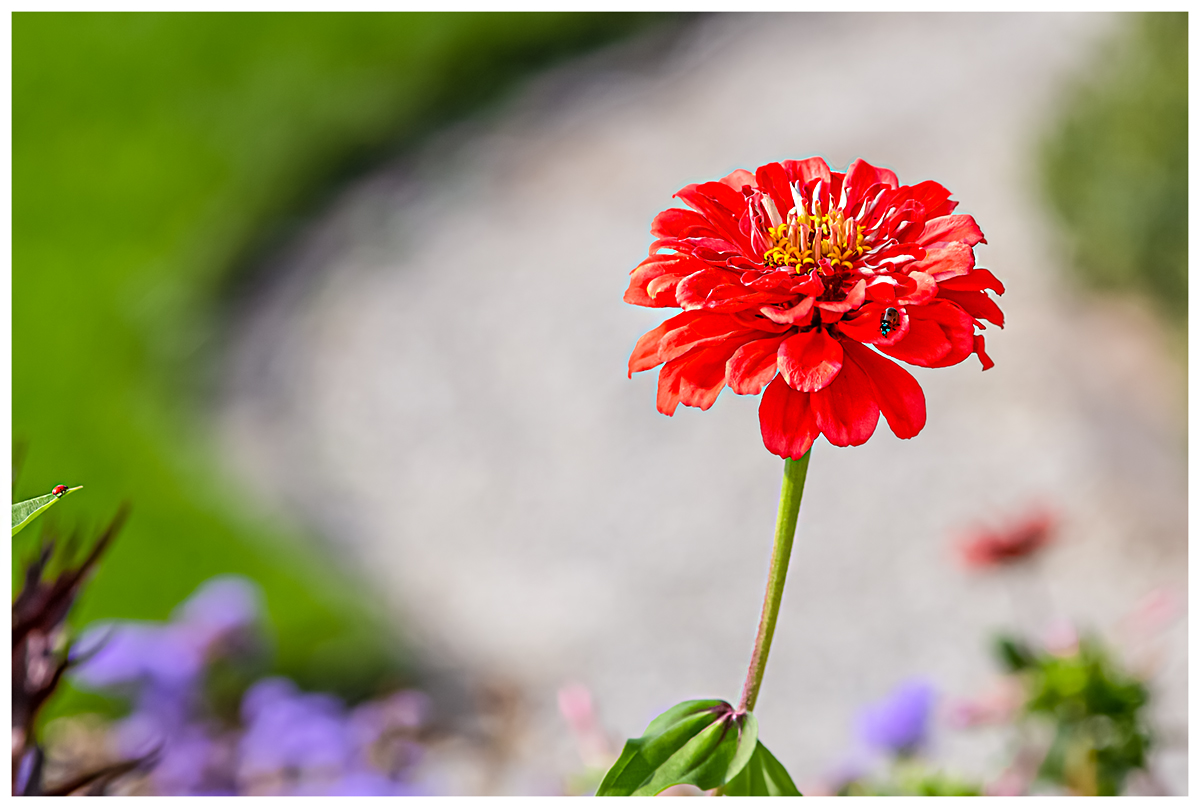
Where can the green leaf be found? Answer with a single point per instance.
(25, 512)
(702, 743)
(1014, 654)
(764, 776)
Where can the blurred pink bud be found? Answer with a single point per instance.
(575, 705)
(996, 705)
(1012, 783)
(1061, 638)
(1155, 611)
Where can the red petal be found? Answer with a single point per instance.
(810, 360)
(925, 344)
(957, 325)
(786, 420)
(773, 180)
(897, 254)
(660, 263)
(944, 261)
(860, 177)
(645, 353)
(753, 365)
(706, 329)
(759, 222)
(637, 296)
(680, 223)
(888, 177)
(652, 282)
(934, 198)
(703, 375)
(845, 411)
(668, 386)
(867, 325)
(828, 316)
(836, 179)
(694, 290)
(986, 360)
(976, 281)
(976, 304)
(767, 281)
(731, 299)
(739, 178)
(810, 284)
(712, 250)
(897, 393)
(722, 206)
(715, 193)
(876, 195)
(661, 291)
(924, 289)
(804, 172)
(854, 298)
(720, 290)
(796, 315)
(940, 334)
(694, 379)
(881, 291)
(956, 227)
(670, 243)
(907, 222)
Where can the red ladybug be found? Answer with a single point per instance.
(59, 490)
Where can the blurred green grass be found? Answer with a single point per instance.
(153, 154)
(1114, 169)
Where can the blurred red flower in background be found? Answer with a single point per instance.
(992, 548)
(786, 275)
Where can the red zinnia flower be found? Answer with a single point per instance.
(795, 270)
(994, 548)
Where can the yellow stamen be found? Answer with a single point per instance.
(807, 236)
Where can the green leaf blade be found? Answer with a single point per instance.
(699, 743)
(763, 776)
(25, 512)
(680, 712)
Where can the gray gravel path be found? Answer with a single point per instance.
(437, 382)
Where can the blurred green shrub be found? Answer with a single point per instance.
(912, 778)
(152, 155)
(1098, 712)
(1115, 167)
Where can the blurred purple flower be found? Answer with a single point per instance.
(899, 723)
(167, 656)
(132, 653)
(184, 756)
(190, 759)
(220, 606)
(291, 742)
(289, 730)
(184, 764)
(361, 783)
(852, 766)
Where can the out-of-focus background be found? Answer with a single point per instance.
(335, 301)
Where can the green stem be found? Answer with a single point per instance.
(794, 474)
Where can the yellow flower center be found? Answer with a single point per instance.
(805, 238)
